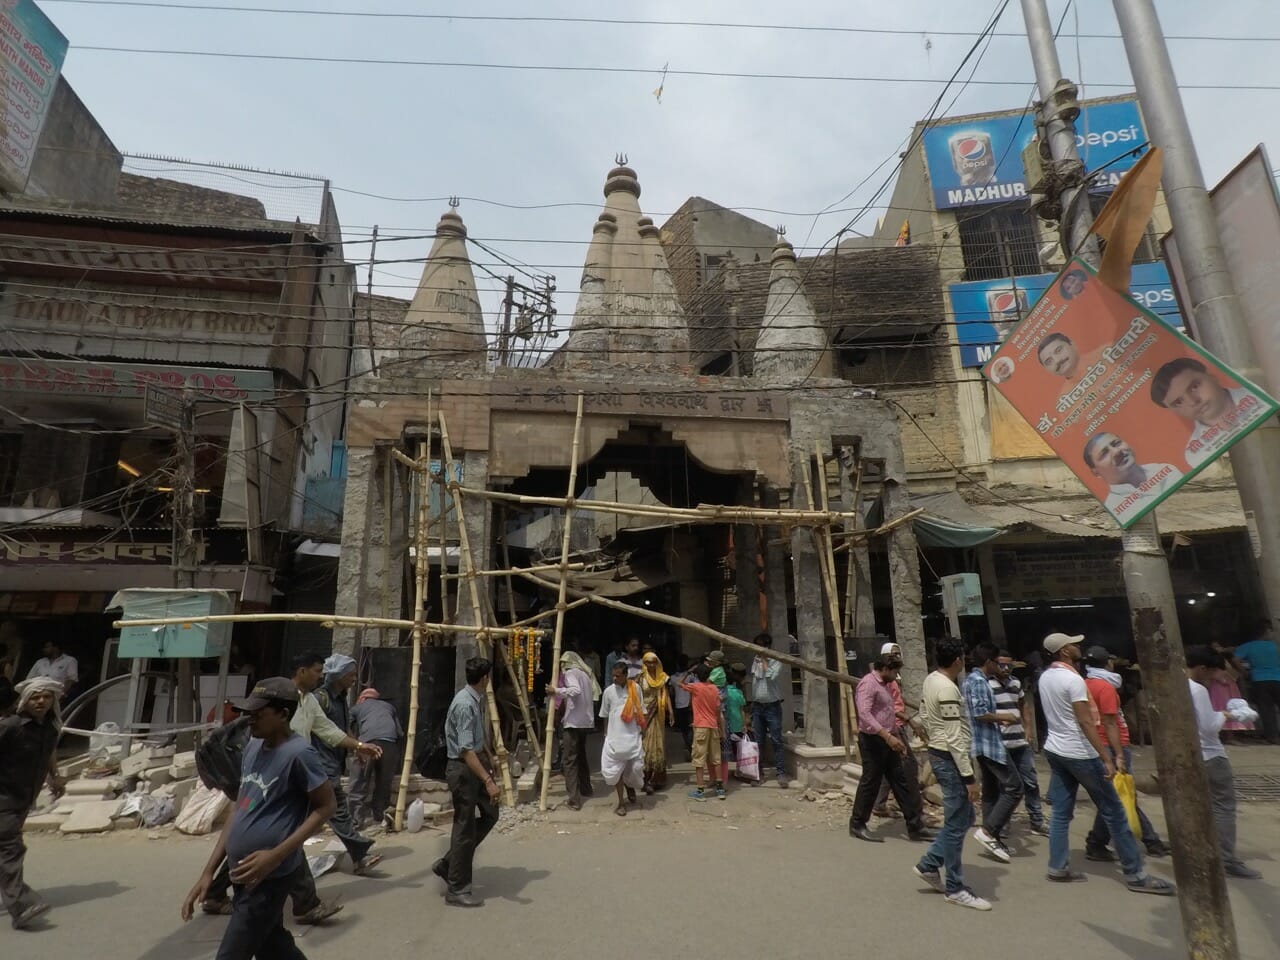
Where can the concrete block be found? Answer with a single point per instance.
(99, 789)
(139, 762)
(156, 777)
(183, 766)
(180, 790)
(74, 767)
(91, 817)
(45, 822)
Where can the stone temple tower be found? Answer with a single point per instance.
(792, 344)
(444, 323)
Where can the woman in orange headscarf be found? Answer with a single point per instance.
(657, 708)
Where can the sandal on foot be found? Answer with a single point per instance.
(368, 863)
(620, 810)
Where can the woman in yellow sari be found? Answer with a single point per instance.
(657, 707)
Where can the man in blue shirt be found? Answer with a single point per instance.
(1261, 659)
(766, 705)
(470, 782)
(1001, 782)
(285, 797)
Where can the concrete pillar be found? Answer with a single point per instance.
(864, 610)
(991, 593)
(904, 579)
(775, 592)
(747, 571)
(811, 624)
(371, 569)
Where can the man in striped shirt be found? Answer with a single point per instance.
(1007, 690)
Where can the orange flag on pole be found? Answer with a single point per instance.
(1123, 221)
(904, 235)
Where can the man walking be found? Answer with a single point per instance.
(950, 739)
(1104, 689)
(313, 724)
(883, 753)
(1204, 665)
(1007, 689)
(27, 740)
(766, 705)
(285, 797)
(622, 757)
(1077, 758)
(1001, 782)
(578, 689)
(471, 784)
(905, 726)
(1261, 658)
(375, 722)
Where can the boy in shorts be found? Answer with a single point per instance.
(708, 728)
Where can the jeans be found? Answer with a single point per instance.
(1266, 697)
(766, 720)
(684, 723)
(469, 831)
(302, 888)
(344, 827)
(1222, 793)
(957, 819)
(257, 928)
(14, 892)
(1068, 775)
(1001, 793)
(880, 761)
(370, 793)
(1100, 835)
(573, 756)
(1025, 761)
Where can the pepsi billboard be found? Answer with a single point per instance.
(977, 162)
(986, 311)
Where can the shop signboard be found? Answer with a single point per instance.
(32, 50)
(1132, 406)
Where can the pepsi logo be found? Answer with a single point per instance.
(971, 148)
(1005, 303)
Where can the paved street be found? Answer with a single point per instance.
(763, 874)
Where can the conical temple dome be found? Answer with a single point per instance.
(444, 323)
(792, 344)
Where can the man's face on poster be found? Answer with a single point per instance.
(1196, 395)
(1072, 284)
(1112, 458)
(1059, 356)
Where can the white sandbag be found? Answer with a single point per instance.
(202, 811)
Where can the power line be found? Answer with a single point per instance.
(624, 21)
(634, 71)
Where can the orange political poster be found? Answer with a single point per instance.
(1133, 407)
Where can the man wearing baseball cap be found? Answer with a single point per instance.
(892, 653)
(1077, 758)
(285, 797)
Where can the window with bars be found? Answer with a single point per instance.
(999, 243)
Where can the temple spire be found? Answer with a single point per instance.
(792, 344)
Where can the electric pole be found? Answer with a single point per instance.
(186, 557)
(1217, 319)
(1206, 912)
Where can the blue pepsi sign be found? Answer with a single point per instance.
(987, 310)
(976, 162)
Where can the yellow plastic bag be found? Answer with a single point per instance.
(1124, 785)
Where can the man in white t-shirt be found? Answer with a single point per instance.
(1204, 665)
(1077, 759)
(1129, 482)
(58, 666)
(1216, 413)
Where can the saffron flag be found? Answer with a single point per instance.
(1123, 221)
(904, 235)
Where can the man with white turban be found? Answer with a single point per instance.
(27, 761)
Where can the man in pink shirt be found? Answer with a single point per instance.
(882, 752)
(905, 725)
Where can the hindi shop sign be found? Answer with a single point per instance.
(979, 161)
(986, 311)
(1133, 407)
(32, 50)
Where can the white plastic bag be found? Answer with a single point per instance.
(202, 811)
(748, 759)
(415, 816)
(106, 741)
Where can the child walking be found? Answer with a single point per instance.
(708, 728)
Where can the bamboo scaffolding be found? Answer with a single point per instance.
(884, 528)
(723, 638)
(420, 570)
(851, 595)
(329, 620)
(826, 567)
(467, 561)
(534, 742)
(540, 568)
(522, 699)
(562, 591)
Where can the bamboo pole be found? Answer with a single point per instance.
(530, 728)
(562, 591)
(884, 528)
(420, 534)
(851, 595)
(547, 613)
(724, 638)
(467, 561)
(825, 567)
(329, 620)
(539, 568)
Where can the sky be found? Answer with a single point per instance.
(530, 148)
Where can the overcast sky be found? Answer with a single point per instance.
(541, 137)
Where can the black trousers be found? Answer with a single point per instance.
(879, 761)
(469, 829)
(1266, 697)
(573, 756)
(17, 896)
(371, 780)
(302, 887)
(257, 928)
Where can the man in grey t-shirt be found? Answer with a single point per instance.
(375, 722)
(285, 797)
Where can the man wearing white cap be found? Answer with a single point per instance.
(1077, 759)
(910, 767)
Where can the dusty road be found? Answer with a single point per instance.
(762, 874)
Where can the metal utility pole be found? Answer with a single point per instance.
(186, 557)
(1217, 319)
(1206, 912)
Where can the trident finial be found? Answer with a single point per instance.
(454, 203)
(782, 230)
(620, 159)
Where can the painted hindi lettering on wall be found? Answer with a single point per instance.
(1132, 406)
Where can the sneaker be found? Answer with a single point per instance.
(1241, 872)
(1157, 848)
(783, 781)
(321, 912)
(1066, 876)
(1099, 855)
(1040, 829)
(697, 794)
(930, 877)
(720, 793)
(992, 846)
(1004, 848)
(30, 915)
(967, 898)
(1153, 885)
